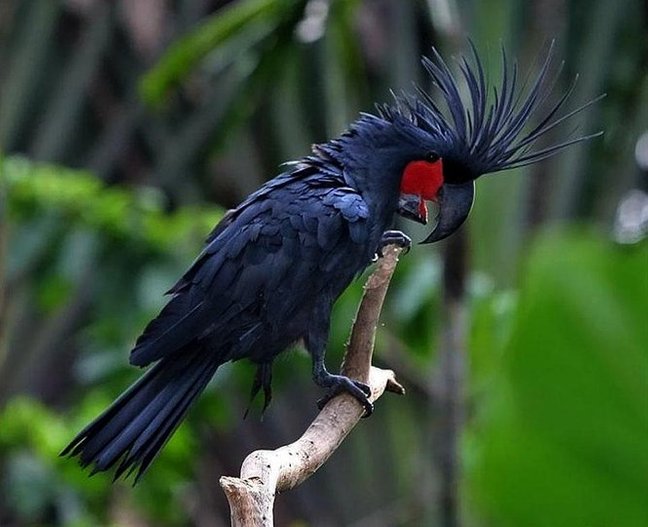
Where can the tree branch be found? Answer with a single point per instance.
(266, 472)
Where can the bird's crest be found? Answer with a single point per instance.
(488, 133)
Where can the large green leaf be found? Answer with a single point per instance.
(566, 440)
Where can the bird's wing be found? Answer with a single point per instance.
(300, 171)
(269, 249)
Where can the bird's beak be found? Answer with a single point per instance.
(412, 207)
(455, 202)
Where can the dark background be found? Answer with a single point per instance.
(126, 128)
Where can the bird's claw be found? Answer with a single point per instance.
(398, 238)
(338, 384)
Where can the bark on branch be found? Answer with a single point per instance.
(266, 472)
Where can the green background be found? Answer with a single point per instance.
(126, 129)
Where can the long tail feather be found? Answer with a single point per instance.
(139, 423)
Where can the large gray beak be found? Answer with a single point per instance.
(455, 202)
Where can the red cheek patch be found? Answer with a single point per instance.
(422, 178)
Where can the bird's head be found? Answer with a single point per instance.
(442, 152)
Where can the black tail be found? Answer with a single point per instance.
(138, 424)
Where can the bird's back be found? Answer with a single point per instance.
(299, 239)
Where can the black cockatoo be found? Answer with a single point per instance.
(273, 267)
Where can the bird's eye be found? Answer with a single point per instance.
(432, 156)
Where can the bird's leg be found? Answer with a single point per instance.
(397, 238)
(262, 379)
(334, 384)
(337, 384)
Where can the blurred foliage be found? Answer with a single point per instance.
(123, 124)
(561, 439)
(240, 26)
(74, 202)
(82, 201)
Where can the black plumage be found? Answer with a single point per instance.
(273, 267)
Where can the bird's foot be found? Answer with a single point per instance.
(337, 384)
(398, 238)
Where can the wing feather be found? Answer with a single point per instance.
(260, 262)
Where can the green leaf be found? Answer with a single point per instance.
(566, 440)
(186, 52)
(37, 189)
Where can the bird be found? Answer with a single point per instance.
(273, 267)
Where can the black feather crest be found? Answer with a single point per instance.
(488, 134)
